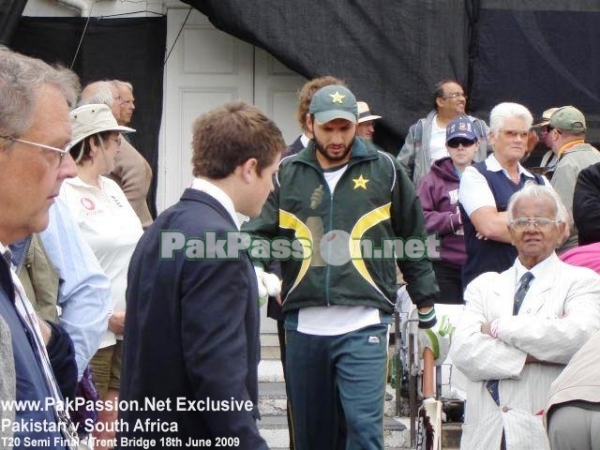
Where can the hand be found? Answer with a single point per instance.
(116, 322)
(269, 285)
(436, 338)
(486, 328)
(45, 329)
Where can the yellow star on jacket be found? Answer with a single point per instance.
(337, 97)
(360, 182)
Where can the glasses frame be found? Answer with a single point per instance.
(539, 223)
(547, 129)
(61, 151)
(455, 95)
(513, 134)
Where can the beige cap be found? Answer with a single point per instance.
(88, 120)
(364, 113)
(545, 118)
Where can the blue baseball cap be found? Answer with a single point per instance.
(461, 127)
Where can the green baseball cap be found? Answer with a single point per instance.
(334, 102)
(568, 118)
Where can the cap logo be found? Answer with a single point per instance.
(337, 97)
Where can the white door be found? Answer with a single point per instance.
(206, 68)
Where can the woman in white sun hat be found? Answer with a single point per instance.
(108, 224)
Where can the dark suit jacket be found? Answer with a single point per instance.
(31, 383)
(586, 205)
(192, 333)
(294, 147)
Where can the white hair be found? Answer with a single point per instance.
(533, 190)
(507, 110)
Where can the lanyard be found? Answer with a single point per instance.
(25, 310)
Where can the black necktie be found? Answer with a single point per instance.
(7, 257)
(524, 284)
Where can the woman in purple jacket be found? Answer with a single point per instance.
(438, 191)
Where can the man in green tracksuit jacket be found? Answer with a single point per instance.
(340, 199)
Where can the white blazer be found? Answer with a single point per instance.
(559, 314)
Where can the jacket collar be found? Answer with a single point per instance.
(362, 150)
(543, 282)
(195, 195)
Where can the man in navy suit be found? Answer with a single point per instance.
(191, 341)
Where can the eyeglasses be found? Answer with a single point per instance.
(455, 95)
(61, 151)
(512, 134)
(541, 223)
(455, 142)
(127, 102)
(547, 129)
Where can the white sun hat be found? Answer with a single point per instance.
(88, 120)
(364, 113)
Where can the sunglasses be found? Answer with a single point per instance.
(454, 143)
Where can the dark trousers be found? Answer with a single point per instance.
(449, 280)
(324, 371)
(281, 336)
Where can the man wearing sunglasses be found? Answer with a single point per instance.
(426, 139)
(549, 159)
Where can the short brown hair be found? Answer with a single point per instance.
(229, 135)
(306, 93)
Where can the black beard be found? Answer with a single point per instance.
(323, 151)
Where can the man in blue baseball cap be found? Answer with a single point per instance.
(338, 300)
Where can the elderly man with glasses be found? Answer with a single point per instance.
(521, 327)
(36, 132)
(426, 139)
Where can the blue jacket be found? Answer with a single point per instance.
(31, 382)
(191, 333)
(83, 290)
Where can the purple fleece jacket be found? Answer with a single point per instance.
(438, 191)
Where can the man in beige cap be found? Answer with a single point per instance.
(549, 159)
(366, 121)
(574, 154)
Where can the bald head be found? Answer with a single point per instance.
(105, 92)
